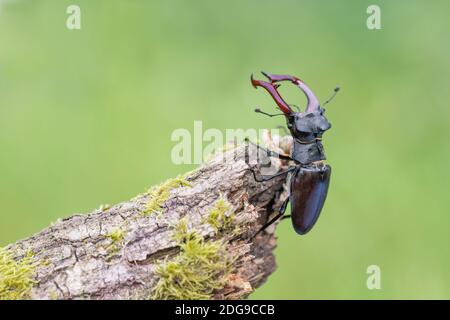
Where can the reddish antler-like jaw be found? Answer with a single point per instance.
(313, 102)
(272, 89)
(279, 77)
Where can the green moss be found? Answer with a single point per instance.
(159, 194)
(221, 216)
(116, 235)
(196, 272)
(116, 238)
(104, 207)
(53, 295)
(181, 231)
(16, 277)
(45, 263)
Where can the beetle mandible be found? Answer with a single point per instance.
(310, 175)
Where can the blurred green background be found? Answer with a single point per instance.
(86, 118)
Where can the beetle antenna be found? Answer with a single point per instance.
(258, 110)
(336, 90)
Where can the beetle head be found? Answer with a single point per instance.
(308, 123)
(306, 127)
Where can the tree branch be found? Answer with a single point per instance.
(187, 238)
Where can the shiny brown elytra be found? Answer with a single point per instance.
(309, 188)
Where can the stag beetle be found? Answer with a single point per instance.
(310, 176)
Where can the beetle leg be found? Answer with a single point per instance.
(267, 178)
(270, 153)
(274, 219)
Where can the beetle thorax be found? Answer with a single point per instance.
(307, 130)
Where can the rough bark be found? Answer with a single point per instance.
(78, 260)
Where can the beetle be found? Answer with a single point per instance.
(310, 176)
